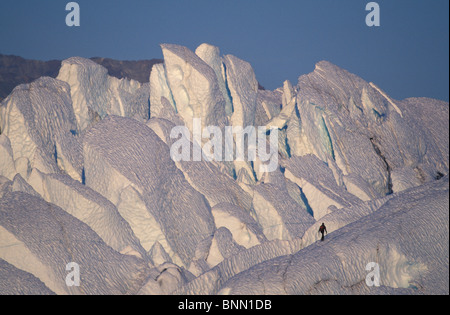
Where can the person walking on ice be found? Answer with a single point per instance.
(323, 230)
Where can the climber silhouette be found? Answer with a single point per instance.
(323, 230)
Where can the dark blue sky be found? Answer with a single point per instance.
(407, 56)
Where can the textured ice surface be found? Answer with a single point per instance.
(89, 207)
(319, 184)
(14, 281)
(7, 166)
(39, 120)
(95, 94)
(245, 230)
(211, 55)
(165, 279)
(19, 184)
(368, 134)
(269, 104)
(388, 237)
(212, 281)
(195, 89)
(288, 104)
(142, 168)
(5, 185)
(159, 88)
(41, 239)
(243, 90)
(139, 104)
(222, 246)
(205, 177)
(430, 135)
(280, 216)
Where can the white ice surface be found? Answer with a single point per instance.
(194, 86)
(407, 237)
(318, 184)
(205, 177)
(14, 281)
(245, 230)
(95, 94)
(211, 55)
(41, 239)
(89, 207)
(7, 166)
(142, 167)
(243, 88)
(159, 88)
(39, 121)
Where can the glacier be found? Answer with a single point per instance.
(86, 176)
(95, 94)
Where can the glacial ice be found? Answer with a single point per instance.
(14, 281)
(205, 177)
(95, 94)
(243, 88)
(8, 168)
(86, 176)
(159, 88)
(244, 229)
(211, 55)
(280, 216)
(39, 121)
(194, 87)
(143, 163)
(89, 207)
(319, 186)
(41, 239)
(268, 106)
(338, 265)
